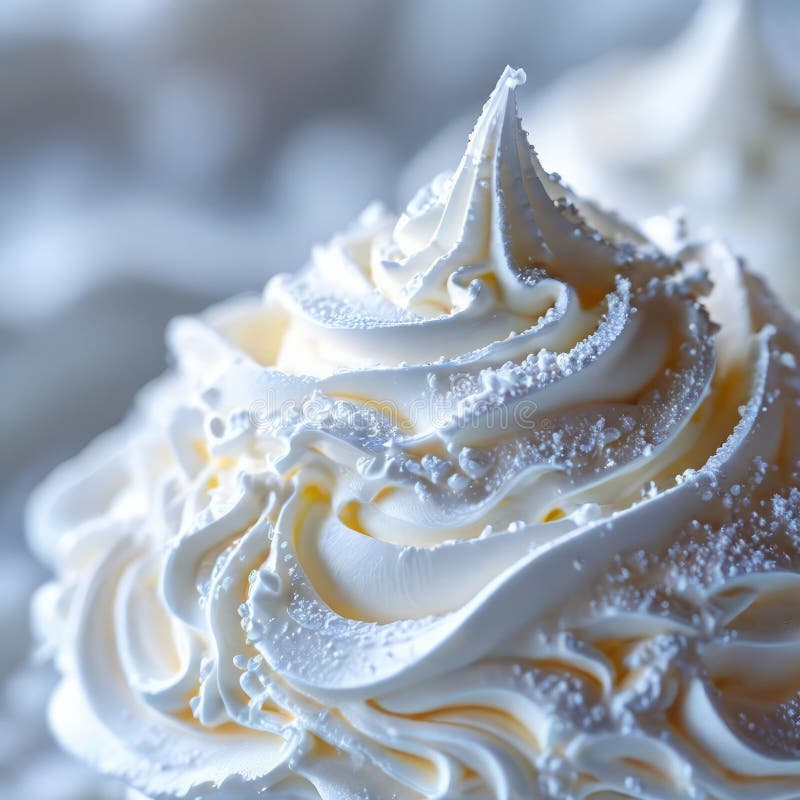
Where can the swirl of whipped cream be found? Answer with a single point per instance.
(709, 122)
(493, 499)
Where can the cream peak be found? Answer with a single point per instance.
(494, 110)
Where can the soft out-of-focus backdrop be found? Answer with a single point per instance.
(156, 156)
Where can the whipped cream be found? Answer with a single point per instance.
(710, 122)
(493, 499)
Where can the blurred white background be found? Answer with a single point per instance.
(156, 156)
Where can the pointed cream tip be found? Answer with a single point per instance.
(511, 77)
(499, 103)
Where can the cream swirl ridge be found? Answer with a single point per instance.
(409, 524)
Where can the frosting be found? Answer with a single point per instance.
(492, 499)
(709, 122)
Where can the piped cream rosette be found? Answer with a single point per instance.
(492, 500)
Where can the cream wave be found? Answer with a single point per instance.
(491, 500)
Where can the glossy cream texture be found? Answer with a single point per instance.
(492, 500)
(709, 123)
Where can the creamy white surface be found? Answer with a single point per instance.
(492, 500)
